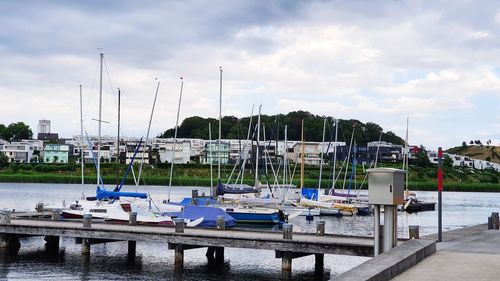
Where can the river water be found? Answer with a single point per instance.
(155, 262)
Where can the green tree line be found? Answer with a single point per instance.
(15, 132)
(274, 127)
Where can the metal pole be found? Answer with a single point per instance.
(321, 160)
(147, 138)
(302, 157)
(118, 138)
(100, 122)
(212, 193)
(335, 155)
(257, 149)
(220, 125)
(388, 227)
(175, 141)
(376, 226)
(440, 198)
(81, 143)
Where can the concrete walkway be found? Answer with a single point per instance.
(473, 255)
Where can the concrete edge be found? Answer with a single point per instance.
(391, 263)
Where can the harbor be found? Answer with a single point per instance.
(154, 259)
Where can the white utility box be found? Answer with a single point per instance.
(386, 186)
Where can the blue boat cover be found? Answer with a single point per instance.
(200, 201)
(310, 193)
(209, 215)
(101, 193)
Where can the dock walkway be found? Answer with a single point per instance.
(470, 256)
(285, 245)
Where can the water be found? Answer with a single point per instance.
(154, 261)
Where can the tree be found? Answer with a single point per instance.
(18, 131)
(4, 160)
(421, 158)
(447, 161)
(3, 132)
(464, 144)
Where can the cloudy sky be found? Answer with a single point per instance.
(436, 62)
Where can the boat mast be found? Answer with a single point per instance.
(406, 154)
(285, 168)
(257, 150)
(348, 158)
(101, 57)
(220, 125)
(118, 137)
(321, 160)
(147, 138)
(335, 155)
(81, 143)
(175, 141)
(212, 193)
(302, 157)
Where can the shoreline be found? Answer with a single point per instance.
(205, 182)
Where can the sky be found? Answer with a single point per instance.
(434, 62)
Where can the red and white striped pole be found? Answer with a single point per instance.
(440, 190)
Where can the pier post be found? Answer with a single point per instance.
(56, 215)
(221, 223)
(287, 231)
(286, 260)
(490, 223)
(414, 231)
(286, 265)
(219, 256)
(495, 220)
(5, 217)
(319, 262)
(179, 257)
(132, 218)
(179, 225)
(85, 246)
(319, 258)
(9, 242)
(87, 220)
(320, 228)
(39, 207)
(131, 249)
(52, 244)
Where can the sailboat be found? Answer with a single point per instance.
(242, 213)
(208, 214)
(110, 205)
(310, 196)
(412, 204)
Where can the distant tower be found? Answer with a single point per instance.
(44, 126)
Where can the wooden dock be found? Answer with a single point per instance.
(286, 244)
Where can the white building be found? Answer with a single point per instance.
(18, 152)
(182, 152)
(464, 161)
(43, 127)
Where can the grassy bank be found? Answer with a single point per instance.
(421, 178)
(204, 181)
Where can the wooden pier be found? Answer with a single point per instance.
(287, 245)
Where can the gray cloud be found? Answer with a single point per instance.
(373, 60)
